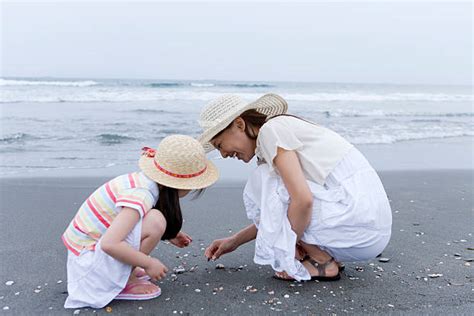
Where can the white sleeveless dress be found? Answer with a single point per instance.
(351, 216)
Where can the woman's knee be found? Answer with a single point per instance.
(153, 225)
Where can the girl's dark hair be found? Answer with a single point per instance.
(168, 205)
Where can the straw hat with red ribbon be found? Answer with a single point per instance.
(179, 162)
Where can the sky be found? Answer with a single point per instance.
(359, 42)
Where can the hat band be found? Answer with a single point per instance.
(176, 175)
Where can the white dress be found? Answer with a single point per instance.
(95, 278)
(351, 216)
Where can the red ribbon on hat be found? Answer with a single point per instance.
(150, 153)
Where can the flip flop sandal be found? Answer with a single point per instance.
(126, 295)
(141, 275)
(321, 270)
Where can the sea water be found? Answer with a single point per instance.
(51, 124)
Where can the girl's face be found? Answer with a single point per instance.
(234, 143)
(183, 193)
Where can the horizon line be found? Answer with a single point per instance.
(238, 80)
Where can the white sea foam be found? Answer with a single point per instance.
(386, 113)
(85, 83)
(202, 85)
(386, 138)
(127, 94)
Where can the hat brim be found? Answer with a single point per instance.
(270, 104)
(204, 180)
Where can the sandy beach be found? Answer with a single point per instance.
(86, 85)
(429, 272)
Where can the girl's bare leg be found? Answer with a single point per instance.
(150, 237)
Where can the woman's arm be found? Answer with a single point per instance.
(301, 198)
(222, 246)
(113, 242)
(245, 235)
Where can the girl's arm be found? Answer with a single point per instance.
(301, 198)
(113, 242)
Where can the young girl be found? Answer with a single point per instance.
(314, 190)
(116, 228)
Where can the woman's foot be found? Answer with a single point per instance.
(341, 266)
(327, 271)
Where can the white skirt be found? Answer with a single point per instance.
(94, 278)
(351, 216)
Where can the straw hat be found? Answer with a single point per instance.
(219, 113)
(179, 162)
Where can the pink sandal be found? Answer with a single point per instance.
(141, 275)
(126, 295)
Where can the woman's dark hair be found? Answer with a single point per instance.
(254, 120)
(168, 205)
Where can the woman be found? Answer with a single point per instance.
(335, 203)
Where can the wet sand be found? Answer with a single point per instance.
(432, 235)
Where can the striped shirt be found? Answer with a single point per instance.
(134, 190)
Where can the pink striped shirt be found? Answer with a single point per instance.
(134, 190)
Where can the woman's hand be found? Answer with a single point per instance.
(219, 247)
(181, 240)
(155, 269)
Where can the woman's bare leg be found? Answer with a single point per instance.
(320, 256)
(317, 254)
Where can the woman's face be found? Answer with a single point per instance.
(234, 143)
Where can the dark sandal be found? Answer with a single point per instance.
(340, 265)
(321, 270)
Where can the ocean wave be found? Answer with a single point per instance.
(381, 138)
(165, 84)
(147, 111)
(66, 158)
(382, 113)
(85, 83)
(380, 97)
(201, 85)
(248, 85)
(113, 139)
(123, 94)
(17, 138)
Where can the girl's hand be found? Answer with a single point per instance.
(181, 240)
(155, 269)
(219, 247)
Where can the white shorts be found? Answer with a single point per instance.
(94, 278)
